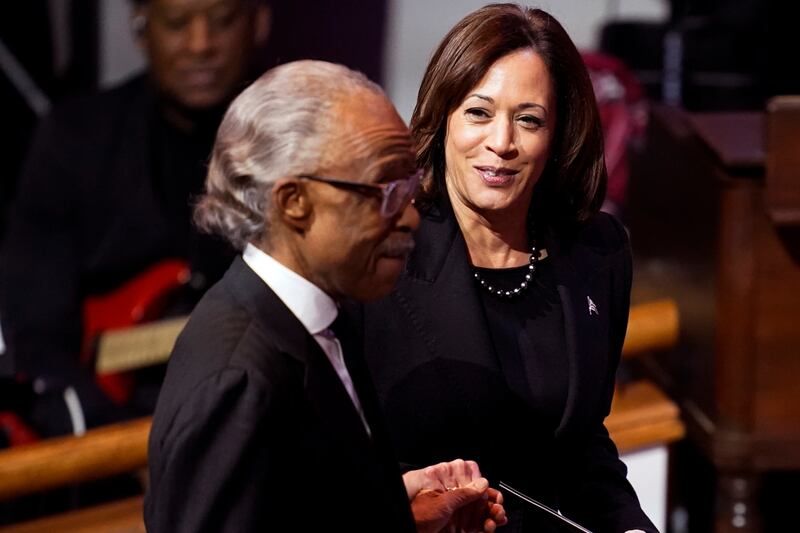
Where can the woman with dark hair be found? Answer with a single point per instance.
(502, 338)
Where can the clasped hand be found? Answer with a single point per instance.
(453, 497)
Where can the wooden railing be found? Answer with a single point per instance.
(123, 516)
(640, 414)
(652, 326)
(56, 462)
(643, 416)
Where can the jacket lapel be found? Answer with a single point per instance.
(438, 275)
(371, 462)
(324, 390)
(381, 443)
(439, 298)
(441, 249)
(352, 344)
(586, 330)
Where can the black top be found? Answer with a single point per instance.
(179, 169)
(95, 207)
(434, 358)
(528, 336)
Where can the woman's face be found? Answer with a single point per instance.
(498, 139)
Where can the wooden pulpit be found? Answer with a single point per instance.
(715, 224)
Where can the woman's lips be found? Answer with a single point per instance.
(496, 177)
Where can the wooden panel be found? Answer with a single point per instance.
(651, 326)
(783, 160)
(51, 463)
(734, 364)
(673, 208)
(736, 139)
(705, 232)
(642, 416)
(777, 333)
(124, 516)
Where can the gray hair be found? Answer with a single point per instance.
(281, 125)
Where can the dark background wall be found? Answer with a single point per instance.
(343, 32)
(731, 54)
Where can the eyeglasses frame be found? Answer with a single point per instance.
(384, 189)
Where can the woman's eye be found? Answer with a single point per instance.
(531, 121)
(476, 113)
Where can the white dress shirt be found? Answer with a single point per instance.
(312, 307)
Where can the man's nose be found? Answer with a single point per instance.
(409, 218)
(199, 36)
(501, 138)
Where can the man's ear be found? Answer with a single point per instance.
(139, 26)
(291, 203)
(263, 24)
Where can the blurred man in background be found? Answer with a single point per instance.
(106, 193)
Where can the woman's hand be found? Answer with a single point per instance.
(441, 476)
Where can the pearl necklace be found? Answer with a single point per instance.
(532, 260)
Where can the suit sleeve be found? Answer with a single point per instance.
(211, 464)
(41, 302)
(599, 495)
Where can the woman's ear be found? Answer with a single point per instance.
(292, 204)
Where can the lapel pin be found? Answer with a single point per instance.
(592, 307)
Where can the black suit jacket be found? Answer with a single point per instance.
(88, 215)
(444, 394)
(255, 432)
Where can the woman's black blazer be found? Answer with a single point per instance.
(444, 394)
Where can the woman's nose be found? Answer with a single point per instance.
(500, 139)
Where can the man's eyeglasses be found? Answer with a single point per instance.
(395, 195)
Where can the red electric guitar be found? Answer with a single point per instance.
(142, 299)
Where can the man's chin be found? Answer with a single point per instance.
(391, 266)
(387, 273)
(200, 99)
(374, 294)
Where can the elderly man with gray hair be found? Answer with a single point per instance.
(267, 419)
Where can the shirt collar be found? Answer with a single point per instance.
(310, 304)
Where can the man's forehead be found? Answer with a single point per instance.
(195, 5)
(373, 133)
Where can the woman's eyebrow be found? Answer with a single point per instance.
(523, 105)
(482, 97)
(528, 105)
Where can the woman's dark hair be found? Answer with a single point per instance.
(573, 184)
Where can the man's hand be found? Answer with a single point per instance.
(453, 497)
(433, 510)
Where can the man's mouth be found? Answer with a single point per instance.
(203, 77)
(398, 248)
